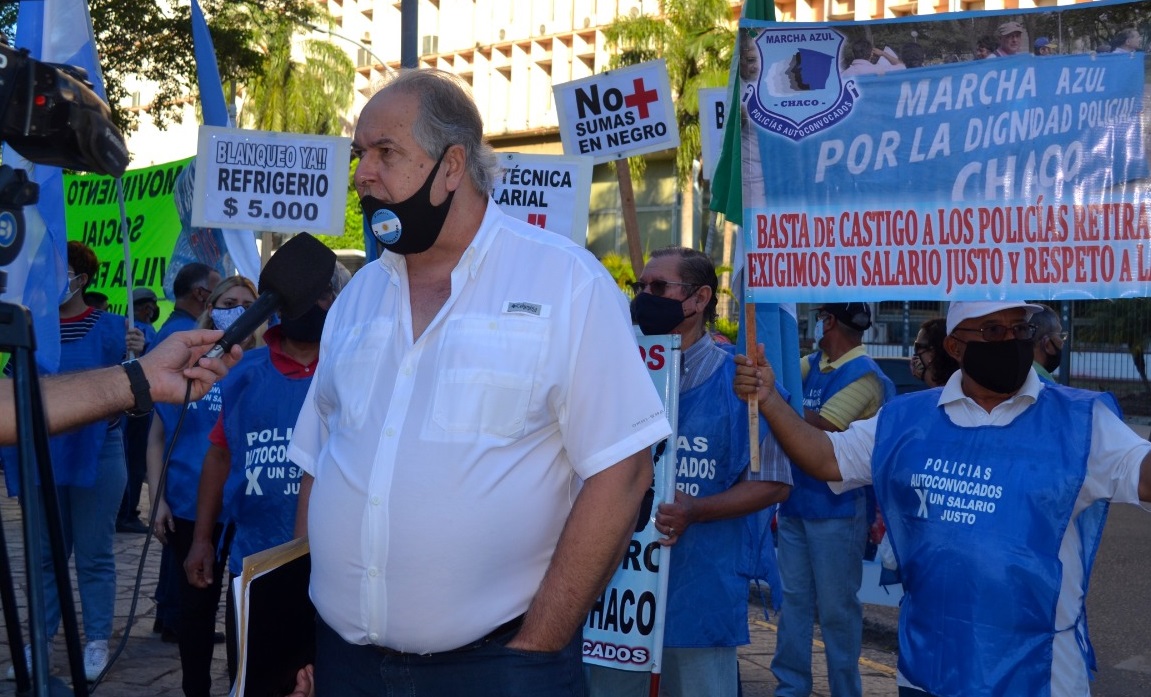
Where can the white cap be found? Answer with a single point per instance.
(960, 310)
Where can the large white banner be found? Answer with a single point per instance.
(617, 114)
(550, 191)
(624, 629)
(277, 182)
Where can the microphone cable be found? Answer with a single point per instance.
(154, 498)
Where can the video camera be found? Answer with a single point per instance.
(50, 115)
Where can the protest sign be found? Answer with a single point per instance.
(551, 191)
(277, 182)
(1018, 176)
(618, 113)
(712, 121)
(92, 212)
(624, 629)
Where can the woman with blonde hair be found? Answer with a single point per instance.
(191, 619)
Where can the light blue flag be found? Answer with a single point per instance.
(242, 255)
(776, 325)
(53, 31)
(208, 72)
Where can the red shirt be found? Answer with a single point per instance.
(289, 367)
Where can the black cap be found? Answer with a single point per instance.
(855, 315)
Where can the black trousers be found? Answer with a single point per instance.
(135, 454)
(198, 607)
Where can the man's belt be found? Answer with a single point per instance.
(499, 632)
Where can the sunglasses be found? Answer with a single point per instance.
(656, 288)
(999, 332)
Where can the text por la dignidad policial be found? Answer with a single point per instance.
(985, 131)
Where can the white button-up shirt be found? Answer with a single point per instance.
(445, 467)
(1113, 469)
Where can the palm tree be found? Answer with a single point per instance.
(298, 97)
(696, 38)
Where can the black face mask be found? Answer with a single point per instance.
(410, 226)
(1051, 361)
(656, 315)
(307, 328)
(1000, 366)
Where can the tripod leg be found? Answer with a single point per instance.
(42, 508)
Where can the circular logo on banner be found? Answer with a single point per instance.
(386, 226)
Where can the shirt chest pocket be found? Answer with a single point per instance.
(487, 370)
(346, 384)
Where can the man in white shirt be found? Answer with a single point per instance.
(476, 438)
(994, 489)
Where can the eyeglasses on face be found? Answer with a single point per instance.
(921, 349)
(1024, 331)
(656, 288)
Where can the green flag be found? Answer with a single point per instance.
(727, 182)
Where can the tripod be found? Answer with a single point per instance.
(41, 512)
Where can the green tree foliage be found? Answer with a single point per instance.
(353, 237)
(620, 269)
(696, 38)
(144, 39)
(309, 96)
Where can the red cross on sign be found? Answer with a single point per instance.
(641, 97)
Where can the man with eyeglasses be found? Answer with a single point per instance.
(1049, 339)
(994, 491)
(823, 535)
(192, 286)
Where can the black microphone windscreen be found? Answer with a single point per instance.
(299, 273)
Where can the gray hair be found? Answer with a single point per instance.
(449, 116)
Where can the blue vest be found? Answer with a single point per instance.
(811, 498)
(178, 321)
(75, 453)
(187, 459)
(260, 410)
(707, 597)
(976, 517)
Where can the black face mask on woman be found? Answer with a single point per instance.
(410, 226)
(1000, 366)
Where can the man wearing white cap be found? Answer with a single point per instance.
(994, 488)
(1010, 39)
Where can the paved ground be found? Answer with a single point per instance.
(876, 665)
(149, 667)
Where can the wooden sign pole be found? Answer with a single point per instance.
(630, 221)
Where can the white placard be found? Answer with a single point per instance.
(551, 191)
(712, 120)
(276, 182)
(618, 114)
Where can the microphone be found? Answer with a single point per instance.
(294, 279)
